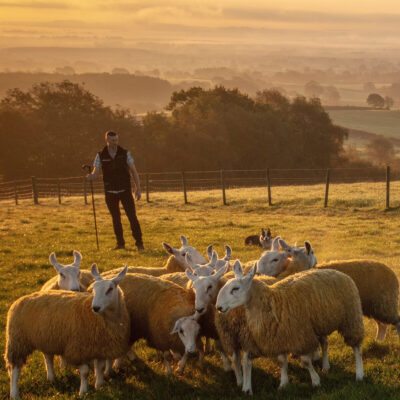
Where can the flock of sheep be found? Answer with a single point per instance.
(283, 303)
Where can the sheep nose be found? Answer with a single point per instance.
(200, 310)
(96, 309)
(191, 354)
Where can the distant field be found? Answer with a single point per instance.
(385, 123)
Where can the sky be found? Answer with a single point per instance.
(122, 23)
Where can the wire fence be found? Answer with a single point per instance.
(386, 182)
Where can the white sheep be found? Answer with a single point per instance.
(292, 315)
(156, 308)
(377, 285)
(221, 263)
(69, 277)
(81, 327)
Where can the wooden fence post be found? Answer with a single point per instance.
(147, 188)
(387, 188)
(184, 187)
(85, 190)
(59, 191)
(34, 191)
(269, 188)
(223, 187)
(327, 187)
(15, 193)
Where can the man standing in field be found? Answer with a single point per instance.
(117, 165)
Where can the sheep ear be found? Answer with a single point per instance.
(169, 249)
(228, 253)
(95, 273)
(307, 245)
(184, 241)
(213, 260)
(221, 271)
(283, 244)
(77, 258)
(191, 275)
(121, 275)
(176, 326)
(55, 263)
(252, 272)
(237, 269)
(275, 244)
(209, 251)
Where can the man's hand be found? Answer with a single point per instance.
(137, 194)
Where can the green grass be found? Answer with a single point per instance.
(355, 225)
(380, 122)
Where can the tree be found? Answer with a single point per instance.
(381, 150)
(313, 89)
(52, 129)
(389, 102)
(376, 100)
(274, 98)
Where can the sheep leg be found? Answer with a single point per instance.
(237, 368)
(247, 364)
(14, 375)
(307, 363)
(63, 363)
(108, 367)
(182, 364)
(99, 372)
(359, 364)
(207, 346)
(325, 358)
(381, 329)
(167, 357)
(49, 358)
(117, 363)
(282, 358)
(83, 371)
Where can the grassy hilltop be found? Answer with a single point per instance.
(355, 225)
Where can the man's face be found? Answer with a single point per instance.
(112, 141)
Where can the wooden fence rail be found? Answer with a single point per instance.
(186, 181)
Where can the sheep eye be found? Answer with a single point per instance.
(181, 331)
(62, 276)
(209, 288)
(275, 260)
(109, 290)
(233, 289)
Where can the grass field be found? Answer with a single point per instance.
(382, 122)
(355, 225)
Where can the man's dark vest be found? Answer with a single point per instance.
(116, 174)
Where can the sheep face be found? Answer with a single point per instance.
(179, 254)
(235, 291)
(205, 288)
(303, 255)
(202, 270)
(68, 275)
(106, 291)
(272, 263)
(188, 330)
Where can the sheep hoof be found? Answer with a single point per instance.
(316, 382)
(249, 392)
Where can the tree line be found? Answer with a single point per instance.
(51, 129)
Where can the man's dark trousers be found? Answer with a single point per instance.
(126, 198)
